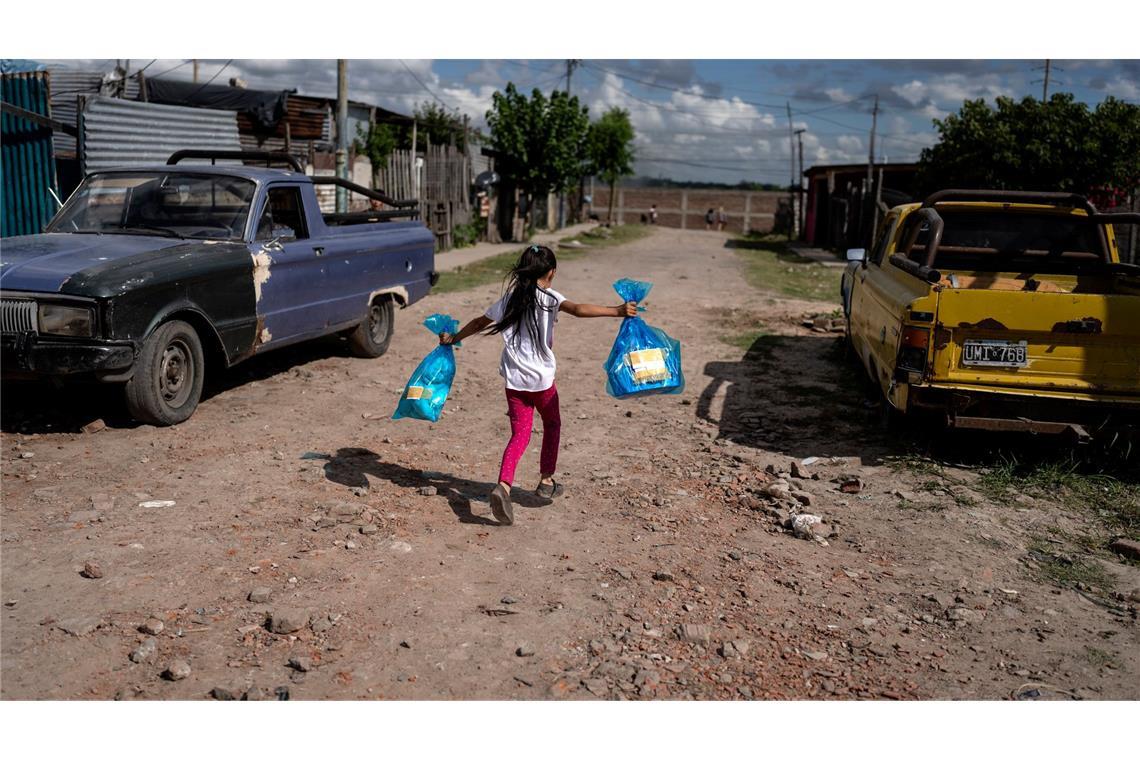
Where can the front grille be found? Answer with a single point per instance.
(17, 316)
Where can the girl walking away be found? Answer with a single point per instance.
(525, 316)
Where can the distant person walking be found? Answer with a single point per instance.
(653, 213)
(710, 219)
(721, 218)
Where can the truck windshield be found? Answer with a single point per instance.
(183, 205)
(1004, 241)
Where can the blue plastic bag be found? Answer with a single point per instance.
(644, 360)
(429, 385)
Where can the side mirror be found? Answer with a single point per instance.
(856, 254)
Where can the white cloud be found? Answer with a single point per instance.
(1123, 88)
(849, 143)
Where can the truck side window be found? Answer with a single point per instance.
(283, 217)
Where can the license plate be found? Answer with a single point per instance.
(995, 353)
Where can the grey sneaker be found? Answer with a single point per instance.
(501, 505)
(545, 491)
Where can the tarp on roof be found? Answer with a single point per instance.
(18, 65)
(265, 108)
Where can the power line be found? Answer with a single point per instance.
(675, 89)
(172, 68)
(211, 79)
(421, 84)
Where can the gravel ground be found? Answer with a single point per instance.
(316, 549)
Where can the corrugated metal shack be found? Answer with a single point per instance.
(116, 132)
(26, 154)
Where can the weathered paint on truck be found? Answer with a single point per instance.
(937, 328)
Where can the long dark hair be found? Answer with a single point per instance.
(521, 312)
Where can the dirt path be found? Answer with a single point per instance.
(661, 573)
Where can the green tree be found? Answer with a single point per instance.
(611, 150)
(540, 141)
(377, 142)
(436, 123)
(1059, 144)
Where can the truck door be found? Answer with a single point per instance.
(289, 271)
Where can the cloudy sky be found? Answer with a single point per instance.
(718, 120)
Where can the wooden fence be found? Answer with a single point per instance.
(442, 184)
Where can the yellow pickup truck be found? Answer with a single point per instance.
(1000, 310)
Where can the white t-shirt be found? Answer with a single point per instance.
(523, 365)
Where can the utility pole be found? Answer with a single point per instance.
(1045, 86)
(571, 64)
(195, 60)
(792, 182)
(800, 176)
(341, 132)
(869, 209)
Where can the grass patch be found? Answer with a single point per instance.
(607, 237)
(770, 265)
(1074, 482)
(1065, 570)
(1099, 658)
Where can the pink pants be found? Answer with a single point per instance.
(520, 408)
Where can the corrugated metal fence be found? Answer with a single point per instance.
(128, 133)
(26, 159)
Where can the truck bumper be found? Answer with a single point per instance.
(1076, 417)
(29, 355)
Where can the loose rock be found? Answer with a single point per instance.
(152, 626)
(260, 595)
(92, 570)
(287, 621)
(222, 694)
(694, 633)
(663, 575)
(176, 671)
(525, 650)
(144, 651)
(428, 491)
(301, 664)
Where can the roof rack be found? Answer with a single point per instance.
(379, 195)
(268, 156)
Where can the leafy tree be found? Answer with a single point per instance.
(540, 141)
(1031, 144)
(436, 123)
(377, 142)
(611, 149)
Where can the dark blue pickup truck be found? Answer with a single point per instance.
(146, 276)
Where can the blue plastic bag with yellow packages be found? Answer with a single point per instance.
(429, 385)
(644, 360)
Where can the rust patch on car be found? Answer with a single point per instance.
(942, 337)
(989, 323)
(1088, 325)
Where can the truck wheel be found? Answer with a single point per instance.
(167, 382)
(372, 336)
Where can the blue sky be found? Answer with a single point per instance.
(719, 120)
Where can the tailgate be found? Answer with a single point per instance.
(1083, 343)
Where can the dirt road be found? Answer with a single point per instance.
(368, 544)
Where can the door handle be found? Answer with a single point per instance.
(319, 250)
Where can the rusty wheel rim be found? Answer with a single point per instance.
(378, 322)
(176, 373)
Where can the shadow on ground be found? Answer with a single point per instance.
(801, 396)
(42, 406)
(351, 466)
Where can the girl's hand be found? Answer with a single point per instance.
(627, 309)
(446, 339)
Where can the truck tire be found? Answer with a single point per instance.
(167, 382)
(372, 336)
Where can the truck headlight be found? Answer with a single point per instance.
(72, 321)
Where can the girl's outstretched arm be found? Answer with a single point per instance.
(628, 309)
(476, 325)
